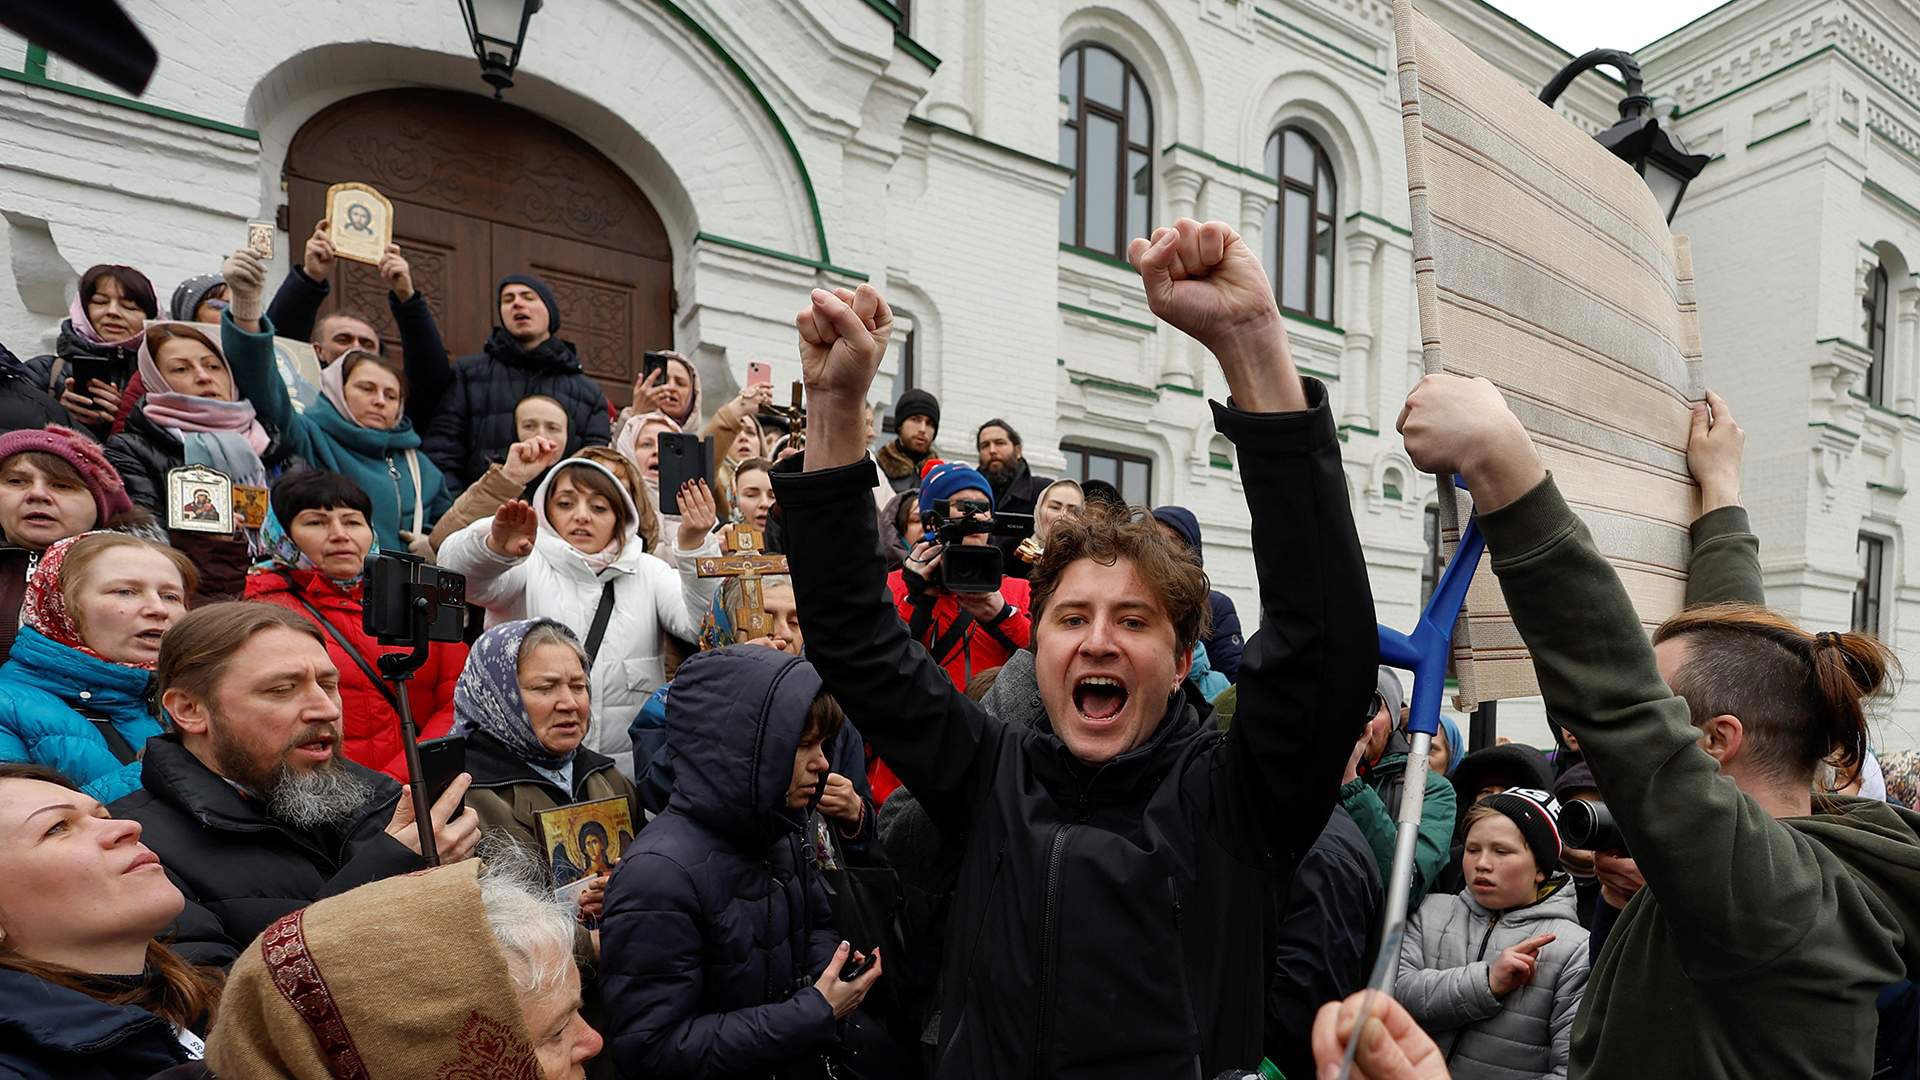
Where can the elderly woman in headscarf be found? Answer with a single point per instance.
(523, 705)
(104, 322)
(477, 979)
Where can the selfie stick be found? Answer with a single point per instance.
(1425, 653)
(398, 668)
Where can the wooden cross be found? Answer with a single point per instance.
(744, 561)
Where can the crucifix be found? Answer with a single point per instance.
(744, 562)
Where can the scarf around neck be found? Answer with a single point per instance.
(83, 327)
(487, 697)
(222, 435)
(284, 554)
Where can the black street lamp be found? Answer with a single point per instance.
(498, 28)
(1655, 153)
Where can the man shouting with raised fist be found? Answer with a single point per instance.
(1118, 858)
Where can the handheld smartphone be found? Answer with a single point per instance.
(441, 760)
(759, 373)
(682, 458)
(651, 362)
(854, 969)
(83, 369)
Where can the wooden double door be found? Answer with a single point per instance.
(480, 190)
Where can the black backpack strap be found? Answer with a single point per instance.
(123, 751)
(333, 632)
(600, 616)
(947, 642)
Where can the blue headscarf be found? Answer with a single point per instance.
(487, 697)
(284, 554)
(1451, 732)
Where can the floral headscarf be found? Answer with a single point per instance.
(45, 609)
(284, 554)
(487, 697)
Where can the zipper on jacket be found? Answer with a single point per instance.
(1493, 920)
(1049, 930)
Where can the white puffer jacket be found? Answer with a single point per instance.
(556, 582)
(1451, 943)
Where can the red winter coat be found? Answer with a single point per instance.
(372, 726)
(979, 649)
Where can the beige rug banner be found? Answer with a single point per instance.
(1542, 262)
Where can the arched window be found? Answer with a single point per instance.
(1300, 225)
(1106, 138)
(1876, 324)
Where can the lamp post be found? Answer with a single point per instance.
(1655, 153)
(498, 28)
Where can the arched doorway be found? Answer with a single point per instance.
(482, 189)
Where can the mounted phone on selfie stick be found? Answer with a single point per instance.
(411, 603)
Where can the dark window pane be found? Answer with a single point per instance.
(1323, 270)
(1430, 566)
(1133, 483)
(1867, 591)
(1105, 76)
(1139, 188)
(1139, 114)
(1076, 464)
(1101, 467)
(1877, 335)
(1324, 197)
(1270, 244)
(1297, 158)
(1102, 185)
(1070, 79)
(1294, 247)
(1068, 148)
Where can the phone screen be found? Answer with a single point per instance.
(441, 760)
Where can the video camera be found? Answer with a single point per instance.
(409, 601)
(972, 568)
(1589, 826)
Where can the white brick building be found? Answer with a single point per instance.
(784, 145)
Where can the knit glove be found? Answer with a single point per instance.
(246, 285)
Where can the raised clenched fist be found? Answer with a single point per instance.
(843, 338)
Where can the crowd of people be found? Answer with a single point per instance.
(931, 766)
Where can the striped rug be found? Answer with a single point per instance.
(1542, 262)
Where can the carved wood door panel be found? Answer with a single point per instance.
(480, 189)
(450, 255)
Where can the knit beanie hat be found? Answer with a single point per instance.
(109, 493)
(1538, 816)
(540, 289)
(918, 403)
(1386, 682)
(191, 293)
(942, 479)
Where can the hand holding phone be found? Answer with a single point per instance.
(441, 760)
(759, 373)
(683, 458)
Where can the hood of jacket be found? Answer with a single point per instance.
(1879, 843)
(556, 550)
(1181, 520)
(890, 534)
(552, 354)
(734, 718)
(67, 673)
(69, 345)
(1560, 903)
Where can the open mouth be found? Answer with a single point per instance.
(150, 637)
(317, 749)
(1099, 697)
(38, 517)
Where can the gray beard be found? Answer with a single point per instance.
(316, 798)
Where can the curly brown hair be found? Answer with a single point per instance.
(1108, 534)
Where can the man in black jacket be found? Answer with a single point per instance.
(1119, 858)
(475, 416)
(295, 313)
(1003, 461)
(247, 801)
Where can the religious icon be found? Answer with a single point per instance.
(583, 841)
(361, 222)
(299, 369)
(250, 506)
(199, 499)
(260, 238)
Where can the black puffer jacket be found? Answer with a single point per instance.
(238, 866)
(143, 453)
(716, 925)
(49, 1032)
(50, 374)
(475, 417)
(1109, 920)
(25, 403)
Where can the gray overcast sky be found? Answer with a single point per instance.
(1621, 24)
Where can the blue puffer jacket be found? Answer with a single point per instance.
(715, 925)
(43, 684)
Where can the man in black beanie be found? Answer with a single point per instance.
(917, 421)
(523, 357)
